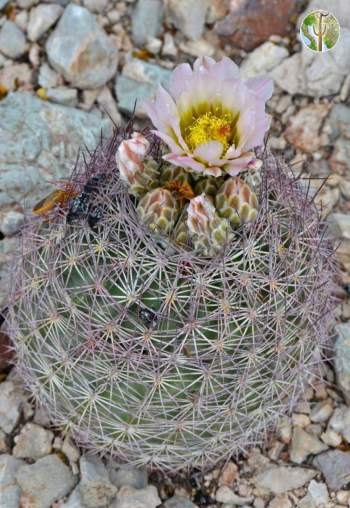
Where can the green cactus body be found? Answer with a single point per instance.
(236, 202)
(208, 186)
(155, 354)
(171, 173)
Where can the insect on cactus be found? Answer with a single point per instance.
(321, 29)
(157, 352)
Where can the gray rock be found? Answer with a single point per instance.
(304, 444)
(108, 104)
(11, 222)
(128, 497)
(48, 78)
(16, 75)
(318, 492)
(138, 82)
(179, 502)
(8, 247)
(3, 3)
(96, 5)
(3, 442)
(335, 467)
(342, 358)
(45, 481)
(12, 400)
(340, 225)
(41, 18)
(63, 95)
(146, 22)
(226, 495)
(127, 475)
(340, 422)
(40, 141)
(71, 452)
(283, 478)
(9, 490)
(95, 486)
(12, 40)
(338, 122)
(80, 50)
(263, 59)
(33, 442)
(188, 16)
(75, 500)
(321, 411)
(26, 4)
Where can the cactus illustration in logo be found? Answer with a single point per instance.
(320, 30)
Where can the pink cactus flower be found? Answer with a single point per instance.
(130, 155)
(211, 119)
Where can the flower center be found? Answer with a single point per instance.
(210, 127)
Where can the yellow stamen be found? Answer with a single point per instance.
(210, 127)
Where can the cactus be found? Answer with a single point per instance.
(159, 356)
(159, 210)
(321, 29)
(236, 202)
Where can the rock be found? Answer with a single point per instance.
(33, 442)
(41, 18)
(198, 48)
(15, 76)
(228, 474)
(71, 452)
(280, 502)
(41, 417)
(62, 95)
(335, 467)
(48, 78)
(251, 22)
(340, 422)
(21, 20)
(225, 495)
(283, 478)
(128, 497)
(40, 141)
(80, 50)
(138, 82)
(96, 5)
(331, 438)
(146, 21)
(9, 490)
(284, 430)
(304, 128)
(127, 475)
(321, 411)
(169, 48)
(8, 247)
(154, 45)
(75, 500)
(6, 351)
(318, 492)
(107, 103)
(12, 399)
(26, 4)
(338, 122)
(3, 438)
(340, 157)
(340, 227)
(45, 481)
(11, 222)
(179, 502)
(95, 486)
(217, 10)
(3, 3)
(342, 358)
(12, 40)
(303, 444)
(263, 59)
(188, 16)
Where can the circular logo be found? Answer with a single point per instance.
(320, 30)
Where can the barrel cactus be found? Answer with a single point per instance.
(155, 351)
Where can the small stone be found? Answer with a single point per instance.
(280, 502)
(318, 492)
(11, 222)
(138, 82)
(283, 478)
(21, 20)
(169, 48)
(322, 411)
(251, 22)
(3, 3)
(48, 78)
(75, 500)
(12, 400)
(340, 422)
(228, 474)
(340, 224)
(41, 417)
(338, 122)
(108, 105)
(33, 442)
(146, 21)
(198, 48)
(345, 89)
(89, 98)
(3, 440)
(303, 444)
(96, 5)
(275, 450)
(80, 50)
(217, 10)
(45, 481)
(225, 495)
(127, 475)
(9, 490)
(335, 467)
(343, 496)
(188, 16)
(41, 18)
(26, 4)
(16, 76)
(263, 59)
(71, 452)
(179, 502)
(304, 128)
(95, 486)
(34, 55)
(300, 420)
(154, 45)
(284, 430)
(12, 40)
(62, 95)
(128, 497)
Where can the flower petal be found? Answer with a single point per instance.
(170, 141)
(235, 166)
(186, 161)
(203, 64)
(179, 79)
(262, 86)
(209, 152)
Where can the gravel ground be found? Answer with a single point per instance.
(66, 71)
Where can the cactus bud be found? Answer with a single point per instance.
(159, 210)
(236, 202)
(252, 175)
(208, 185)
(208, 231)
(136, 170)
(171, 173)
(181, 231)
